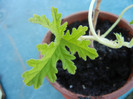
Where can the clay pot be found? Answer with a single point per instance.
(103, 16)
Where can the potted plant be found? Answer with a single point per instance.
(55, 52)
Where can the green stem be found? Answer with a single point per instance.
(102, 39)
(87, 37)
(90, 20)
(117, 21)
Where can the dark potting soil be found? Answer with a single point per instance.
(103, 75)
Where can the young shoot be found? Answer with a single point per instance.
(118, 43)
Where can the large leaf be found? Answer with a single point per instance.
(57, 51)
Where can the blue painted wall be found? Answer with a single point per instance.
(18, 38)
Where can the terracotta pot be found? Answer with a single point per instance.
(103, 16)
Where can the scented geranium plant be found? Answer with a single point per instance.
(77, 41)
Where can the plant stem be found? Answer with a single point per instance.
(95, 17)
(118, 43)
(117, 21)
(96, 13)
(85, 37)
(90, 20)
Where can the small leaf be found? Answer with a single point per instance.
(131, 43)
(131, 22)
(119, 39)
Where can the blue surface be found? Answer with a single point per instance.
(126, 94)
(18, 39)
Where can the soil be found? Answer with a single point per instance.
(103, 75)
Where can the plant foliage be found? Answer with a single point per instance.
(56, 50)
(131, 22)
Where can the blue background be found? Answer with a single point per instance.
(19, 37)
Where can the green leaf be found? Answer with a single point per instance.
(119, 42)
(47, 65)
(120, 38)
(81, 47)
(57, 51)
(66, 58)
(41, 48)
(55, 27)
(42, 68)
(131, 22)
(131, 43)
(42, 21)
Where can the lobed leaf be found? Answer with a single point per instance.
(40, 20)
(82, 47)
(55, 27)
(66, 59)
(56, 50)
